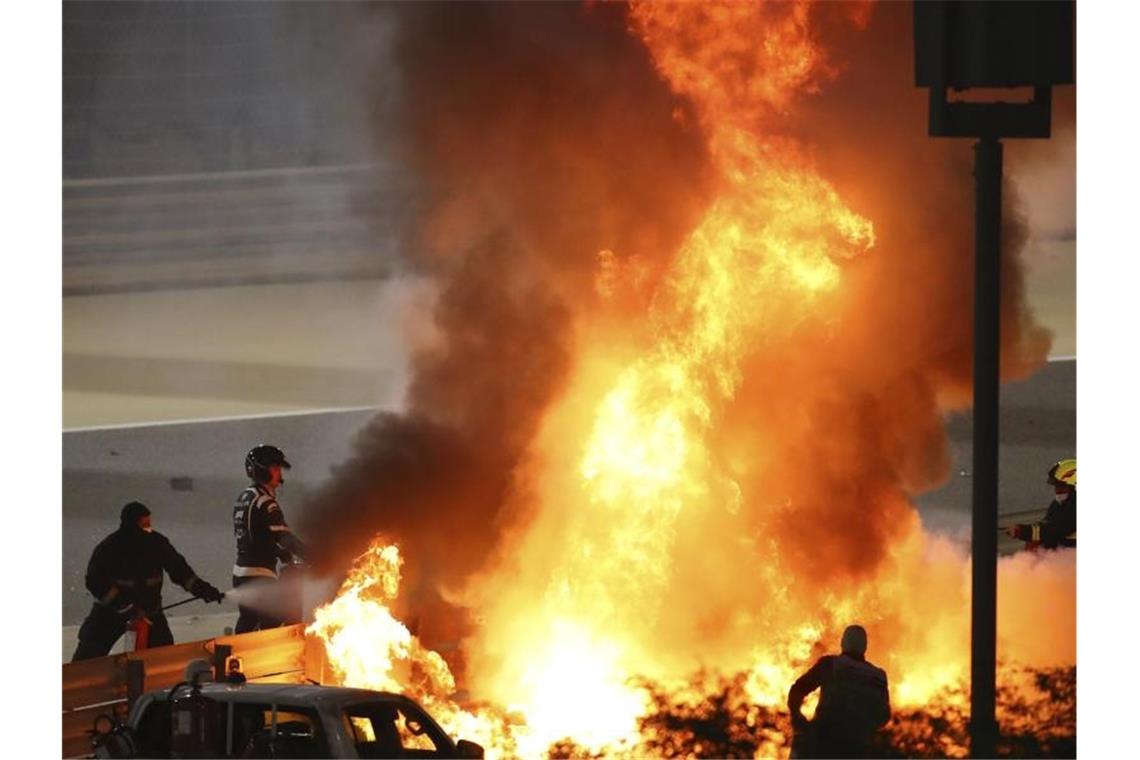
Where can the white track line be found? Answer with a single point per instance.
(287, 171)
(332, 410)
(234, 418)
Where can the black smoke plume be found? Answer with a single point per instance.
(541, 135)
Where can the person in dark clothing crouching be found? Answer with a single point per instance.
(854, 701)
(125, 577)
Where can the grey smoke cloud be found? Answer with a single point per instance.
(540, 135)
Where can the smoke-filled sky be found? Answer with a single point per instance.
(548, 138)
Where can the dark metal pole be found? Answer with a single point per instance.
(987, 337)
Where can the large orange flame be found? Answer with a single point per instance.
(652, 549)
(369, 648)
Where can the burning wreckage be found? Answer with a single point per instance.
(652, 488)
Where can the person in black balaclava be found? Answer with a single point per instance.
(125, 577)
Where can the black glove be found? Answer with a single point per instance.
(291, 550)
(1020, 532)
(206, 592)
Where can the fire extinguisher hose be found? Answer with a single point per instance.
(178, 604)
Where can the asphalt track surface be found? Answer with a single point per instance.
(190, 473)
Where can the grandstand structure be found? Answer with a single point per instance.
(230, 209)
(207, 144)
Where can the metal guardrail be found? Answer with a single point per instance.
(109, 685)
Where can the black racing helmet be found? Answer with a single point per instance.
(260, 458)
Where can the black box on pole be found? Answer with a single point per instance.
(993, 44)
(988, 45)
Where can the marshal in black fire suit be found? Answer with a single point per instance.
(125, 576)
(263, 537)
(1059, 528)
(854, 701)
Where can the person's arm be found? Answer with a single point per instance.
(806, 684)
(884, 713)
(98, 579)
(1058, 525)
(181, 573)
(1034, 532)
(289, 547)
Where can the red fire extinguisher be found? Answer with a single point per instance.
(193, 721)
(139, 626)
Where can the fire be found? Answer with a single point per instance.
(366, 645)
(569, 667)
(369, 648)
(765, 256)
(667, 531)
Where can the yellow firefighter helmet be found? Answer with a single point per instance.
(1064, 473)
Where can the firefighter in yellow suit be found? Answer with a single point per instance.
(1059, 528)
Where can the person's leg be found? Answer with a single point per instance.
(92, 647)
(248, 619)
(160, 633)
(98, 634)
(827, 745)
(290, 592)
(275, 603)
(810, 743)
